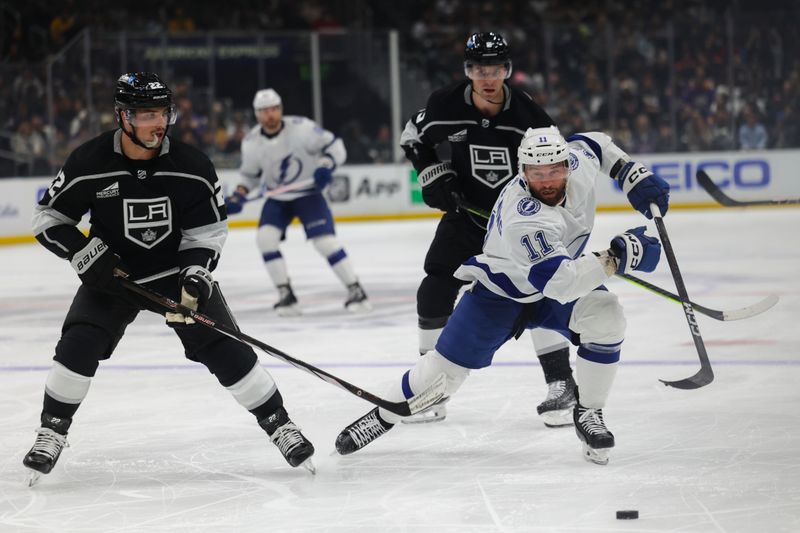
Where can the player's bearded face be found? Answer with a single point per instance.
(270, 118)
(548, 183)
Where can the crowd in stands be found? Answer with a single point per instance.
(660, 76)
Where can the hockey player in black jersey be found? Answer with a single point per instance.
(157, 217)
(483, 119)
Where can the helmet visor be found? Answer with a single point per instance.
(483, 71)
(152, 116)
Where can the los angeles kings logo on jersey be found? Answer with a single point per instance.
(491, 165)
(147, 221)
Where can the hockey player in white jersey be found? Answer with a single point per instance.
(533, 274)
(294, 155)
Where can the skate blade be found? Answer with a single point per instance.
(308, 464)
(290, 311)
(557, 419)
(359, 307)
(32, 478)
(425, 417)
(598, 456)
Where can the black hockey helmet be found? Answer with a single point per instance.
(486, 48)
(141, 89)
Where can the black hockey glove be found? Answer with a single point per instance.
(439, 190)
(95, 264)
(196, 289)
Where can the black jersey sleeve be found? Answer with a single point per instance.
(537, 117)
(204, 226)
(419, 139)
(60, 210)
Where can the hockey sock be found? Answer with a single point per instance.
(594, 380)
(257, 392)
(276, 268)
(64, 391)
(555, 365)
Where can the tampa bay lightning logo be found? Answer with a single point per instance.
(290, 169)
(573, 161)
(528, 206)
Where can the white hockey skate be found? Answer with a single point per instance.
(357, 301)
(287, 302)
(435, 413)
(596, 439)
(556, 409)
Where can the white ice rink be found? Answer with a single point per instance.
(159, 446)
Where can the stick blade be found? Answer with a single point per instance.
(703, 377)
(429, 396)
(711, 188)
(751, 310)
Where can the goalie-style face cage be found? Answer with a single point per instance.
(486, 55)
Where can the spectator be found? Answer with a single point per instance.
(752, 133)
(30, 144)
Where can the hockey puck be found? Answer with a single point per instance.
(627, 515)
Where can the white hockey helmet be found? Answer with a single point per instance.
(266, 98)
(542, 146)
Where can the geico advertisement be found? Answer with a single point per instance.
(386, 190)
(742, 175)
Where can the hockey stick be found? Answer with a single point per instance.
(295, 185)
(726, 316)
(705, 375)
(733, 314)
(413, 405)
(716, 193)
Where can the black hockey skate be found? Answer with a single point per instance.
(357, 299)
(287, 302)
(591, 430)
(556, 409)
(51, 438)
(296, 449)
(361, 432)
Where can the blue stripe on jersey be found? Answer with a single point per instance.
(541, 273)
(501, 280)
(592, 144)
(605, 354)
(335, 257)
(406, 385)
(326, 154)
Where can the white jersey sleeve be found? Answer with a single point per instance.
(602, 147)
(250, 167)
(322, 143)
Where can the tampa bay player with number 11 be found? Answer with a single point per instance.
(533, 274)
(483, 119)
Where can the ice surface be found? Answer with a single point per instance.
(158, 445)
